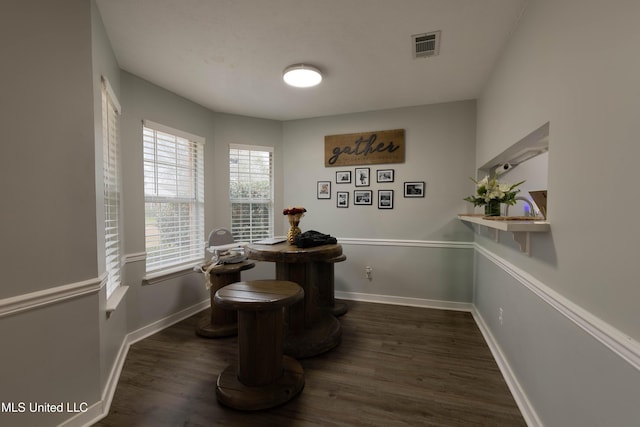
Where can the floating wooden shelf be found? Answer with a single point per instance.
(520, 228)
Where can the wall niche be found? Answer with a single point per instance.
(528, 160)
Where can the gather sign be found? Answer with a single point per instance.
(386, 146)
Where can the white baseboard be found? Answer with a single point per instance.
(526, 408)
(412, 302)
(101, 408)
(145, 331)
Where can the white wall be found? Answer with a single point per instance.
(410, 246)
(574, 64)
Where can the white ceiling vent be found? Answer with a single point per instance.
(426, 45)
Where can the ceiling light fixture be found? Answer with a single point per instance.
(301, 75)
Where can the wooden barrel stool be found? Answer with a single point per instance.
(326, 285)
(217, 322)
(263, 376)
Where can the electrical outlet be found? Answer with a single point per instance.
(500, 315)
(367, 272)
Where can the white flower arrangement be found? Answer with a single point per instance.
(488, 190)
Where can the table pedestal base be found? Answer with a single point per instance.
(339, 309)
(207, 329)
(316, 338)
(217, 322)
(231, 392)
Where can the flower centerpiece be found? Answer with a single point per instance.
(490, 193)
(294, 214)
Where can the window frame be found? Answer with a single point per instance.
(112, 187)
(253, 234)
(189, 250)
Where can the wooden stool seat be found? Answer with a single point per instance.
(262, 377)
(326, 286)
(217, 322)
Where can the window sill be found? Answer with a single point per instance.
(114, 300)
(170, 273)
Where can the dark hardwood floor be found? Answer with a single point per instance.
(396, 366)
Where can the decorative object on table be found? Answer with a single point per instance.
(312, 238)
(385, 199)
(414, 189)
(324, 189)
(294, 214)
(343, 199)
(362, 177)
(490, 193)
(384, 175)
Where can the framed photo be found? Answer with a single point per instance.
(384, 175)
(414, 189)
(362, 177)
(343, 199)
(385, 199)
(324, 189)
(343, 177)
(362, 197)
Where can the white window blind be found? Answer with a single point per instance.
(251, 192)
(173, 195)
(111, 185)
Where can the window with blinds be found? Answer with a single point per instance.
(111, 185)
(173, 196)
(251, 192)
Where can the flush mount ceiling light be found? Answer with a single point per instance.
(301, 75)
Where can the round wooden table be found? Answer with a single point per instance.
(217, 322)
(262, 377)
(310, 330)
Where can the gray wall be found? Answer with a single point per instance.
(413, 245)
(50, 353)
(587, 266)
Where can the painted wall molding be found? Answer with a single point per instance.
(406, 243)
(621, 344)
(44, 297)
(137, 257)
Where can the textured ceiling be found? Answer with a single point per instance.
(228, 55)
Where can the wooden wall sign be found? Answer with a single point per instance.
(386, 146)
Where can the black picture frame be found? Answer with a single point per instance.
(362, 197)
(342, 199)
(324, 190)
(361, 177)
(343, 177)
(385, 199)
(414, 189)
(385, 175)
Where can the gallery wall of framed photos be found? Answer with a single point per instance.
(367, 186)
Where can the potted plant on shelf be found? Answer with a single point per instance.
(490, 193)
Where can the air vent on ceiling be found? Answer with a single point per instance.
(426, 45)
